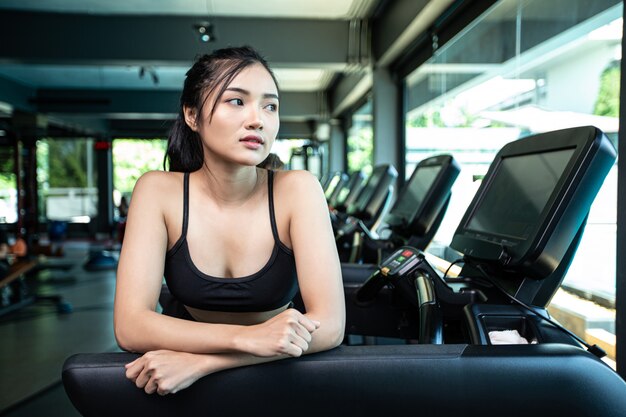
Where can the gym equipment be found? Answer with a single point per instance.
(346, 193)
(463, 375)
(418, 211)
(370, 207)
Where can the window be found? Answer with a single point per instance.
(524, 67)
(8, 185)
(131, 159)
(361, 140)
(67, 180)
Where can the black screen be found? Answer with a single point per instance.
(414, 195)
(518, 193)
(369, 189)
(332, 185)
(343, 194)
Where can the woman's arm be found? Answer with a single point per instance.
(167, 372)
(139, 328)
(317, 261)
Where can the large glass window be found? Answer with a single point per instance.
(524, 67)
(8, 185)
(67, 180)
(361, 140)
(131, 159)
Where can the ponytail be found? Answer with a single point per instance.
(184, 149)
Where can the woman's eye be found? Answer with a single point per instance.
(236, 101)
(272, 107)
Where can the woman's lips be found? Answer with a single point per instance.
(252, 142)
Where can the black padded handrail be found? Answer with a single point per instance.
(406, 380)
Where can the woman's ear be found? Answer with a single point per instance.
(190, 118)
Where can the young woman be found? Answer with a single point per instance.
(233, 241)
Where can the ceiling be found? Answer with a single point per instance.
(118, 66)
(170, 77)
(309, 9)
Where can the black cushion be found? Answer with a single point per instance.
(402, 380)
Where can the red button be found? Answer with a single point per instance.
(407, 253)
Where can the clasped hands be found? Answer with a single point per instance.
(287, 334)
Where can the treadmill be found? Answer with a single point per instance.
(346, 193)
(517, 240)
(368, 208)
(334, 183)
(453, 372)
(417, 213)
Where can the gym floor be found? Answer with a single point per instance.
(36, 339)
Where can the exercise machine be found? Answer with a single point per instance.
(417, 213)
(524, 250)
(369, 208)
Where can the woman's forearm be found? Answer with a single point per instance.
(324, 338)
(167, 371)
(149, 331)
(289, 332)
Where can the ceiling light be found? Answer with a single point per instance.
(205, 31)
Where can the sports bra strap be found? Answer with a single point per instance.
(185, 203)
(270, 192)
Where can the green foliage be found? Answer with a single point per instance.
(63, 163)
(132, 158)
(433, 118)
(607, 103)
(7, 169)
(427, 119)
(360, 150)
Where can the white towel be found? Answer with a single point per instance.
(507, 337)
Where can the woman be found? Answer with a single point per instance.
(210, 225)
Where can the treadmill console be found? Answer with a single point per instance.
(400, 262)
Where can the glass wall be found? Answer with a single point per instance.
(361, 140)
(67, 180)
(524, 67)
(8, 185)
(132, 158)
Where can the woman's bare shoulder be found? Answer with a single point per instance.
(299, 192)
(159, 179)
(158, 185)
(298, 181)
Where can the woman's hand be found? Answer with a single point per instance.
(287, 333)
(166, 371)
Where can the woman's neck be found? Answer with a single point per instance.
(233, 185)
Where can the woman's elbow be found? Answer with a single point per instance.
(125, 336)
(334, 335)
(339, 334)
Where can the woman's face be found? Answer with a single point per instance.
(245, 121)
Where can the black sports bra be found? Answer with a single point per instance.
(272, 287)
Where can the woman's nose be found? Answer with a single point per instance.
(254, 119)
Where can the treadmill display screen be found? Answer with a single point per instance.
(332, 185)
(518, 193)
(343, 194)
(368, 191)
(416, 191)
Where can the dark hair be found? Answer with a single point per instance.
(210, 73)
(272, 162)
